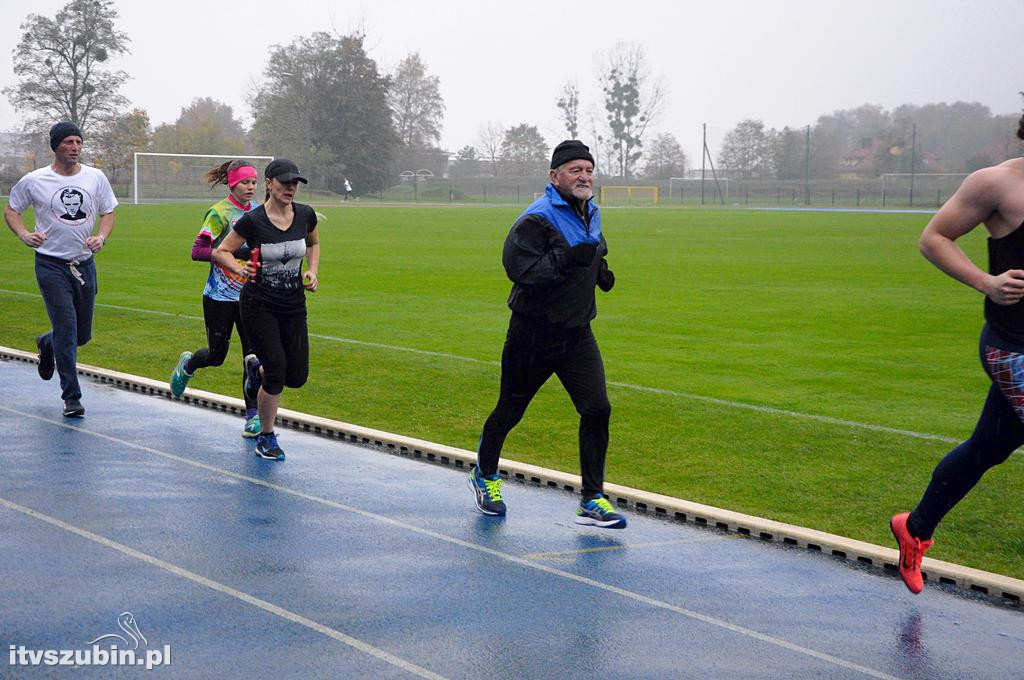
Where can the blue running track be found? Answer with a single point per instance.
(344, 562)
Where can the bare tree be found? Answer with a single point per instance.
(416, 104)
(631, 101)
(59, 63)
(569, 104)
(118, 138)
(491, 137)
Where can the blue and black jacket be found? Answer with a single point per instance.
(546, 284)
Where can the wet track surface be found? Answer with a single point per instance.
(348, 562)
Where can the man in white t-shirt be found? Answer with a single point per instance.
(68, 197)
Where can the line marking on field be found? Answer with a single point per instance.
(451, 540)
(829, 420)
(226, 590)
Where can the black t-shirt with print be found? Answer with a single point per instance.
(279, 281)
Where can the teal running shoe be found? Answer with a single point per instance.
(487, 490)
(598, 512)
(252, 427)
(180, 377)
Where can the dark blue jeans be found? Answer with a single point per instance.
(69, 293)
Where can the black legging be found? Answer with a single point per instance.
(280, 340)
(533, 352)
(998, 434)
(220, 318)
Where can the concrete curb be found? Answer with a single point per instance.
(1005, 588)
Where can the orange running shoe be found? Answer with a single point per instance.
(912, 550)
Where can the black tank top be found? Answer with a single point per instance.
(1006, 253)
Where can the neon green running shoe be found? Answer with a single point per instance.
(180, 377)
(598, 512)
(252, 427)
(487, 490)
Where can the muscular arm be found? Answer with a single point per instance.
(976, 201)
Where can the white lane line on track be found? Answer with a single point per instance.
(828, 420)
(637, 597)
(281, 612)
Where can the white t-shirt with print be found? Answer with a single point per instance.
(66, 208)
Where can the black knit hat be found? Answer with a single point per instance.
(62, 130)
(570, 150)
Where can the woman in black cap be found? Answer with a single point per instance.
(273, 302)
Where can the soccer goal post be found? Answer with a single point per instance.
(628, 195)
(160, 177)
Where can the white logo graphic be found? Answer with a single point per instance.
(127, 623)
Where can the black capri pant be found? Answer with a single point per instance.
(280, 340)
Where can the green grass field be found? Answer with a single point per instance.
(821, 314)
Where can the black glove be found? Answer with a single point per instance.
(582, 254)
(605, 279)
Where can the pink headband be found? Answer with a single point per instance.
(238, 174)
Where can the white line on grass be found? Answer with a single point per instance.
(627, 386)
(227, 590)
(521, 561)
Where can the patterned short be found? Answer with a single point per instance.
(1007, 372)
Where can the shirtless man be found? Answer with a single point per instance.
(993, 197)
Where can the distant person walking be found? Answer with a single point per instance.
(554, 255)
(348, 189)
(273, 301)
(69, 199)
(220, 295)
(994, 197)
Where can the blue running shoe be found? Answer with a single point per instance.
(598, 512)
(180, 377)
(252, 427)
(267, 447)
(488, 493)
(252, 383)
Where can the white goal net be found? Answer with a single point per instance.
(163, 177)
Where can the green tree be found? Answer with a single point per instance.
(324, 104)
(787, 153)
(204, 126)
(416, 104)
(745, 150)
(631, 103)
(60, 62)
(466, 163)
(569, 105)
(523, 149)
(665, 158)
(117, 140)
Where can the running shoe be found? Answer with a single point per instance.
(252, 427)
(46, 362)
(487, 490)
(252, 383)
(73, 408)
(912, 551)
(598, 512)
(267, 447)
(180, 377)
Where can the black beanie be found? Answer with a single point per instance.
(62, 130)
(570, 150)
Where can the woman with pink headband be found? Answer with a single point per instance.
(220, 296)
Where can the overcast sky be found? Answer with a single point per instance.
(784, 62)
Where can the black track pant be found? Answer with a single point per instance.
(533, 352)
(280, 340)
(998, 434)
(220, 318)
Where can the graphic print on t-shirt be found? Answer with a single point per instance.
(71, 205)
(281, 264)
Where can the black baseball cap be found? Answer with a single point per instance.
(284, 170)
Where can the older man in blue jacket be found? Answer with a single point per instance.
(555, 256)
